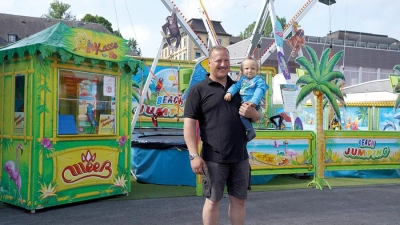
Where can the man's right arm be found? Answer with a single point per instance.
(189, 133)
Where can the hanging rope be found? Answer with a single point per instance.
(251, 3)
(134, 33)
(116, 16)
(344, 42)
(330, 28)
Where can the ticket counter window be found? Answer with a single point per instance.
(86, 103)
(19, 102)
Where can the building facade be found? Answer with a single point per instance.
(188, 49)
(14, 27)
(367, 57)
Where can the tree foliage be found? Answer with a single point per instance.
(59, 10)
(101, 20)
(98, 19)
(117, 33)
(132, 43)
(267, 29)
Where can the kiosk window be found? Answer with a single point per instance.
(86, 103)
(19, 101)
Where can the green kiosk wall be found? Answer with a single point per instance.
(65, 115)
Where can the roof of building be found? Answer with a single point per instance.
(363, 37)
(74, 43)
(373, 91)
(356, 54)
(24, 26)
(233, 40)
(198, 26)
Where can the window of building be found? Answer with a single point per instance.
(368, 74)
(184, 56)
(351, 76)
(86, 103)
(12, 37)
(19, 102)
(198, 54)
(385, 73)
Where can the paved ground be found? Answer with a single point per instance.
(341, 205)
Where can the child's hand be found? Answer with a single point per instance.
(251, 104)
(228, 97)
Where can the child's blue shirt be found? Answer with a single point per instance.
(251, 90)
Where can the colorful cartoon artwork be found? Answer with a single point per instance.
(298, 124)
(270, 159)
(361, 150)
(389, 120)
(278, 34)
(280, 121)
(199, 73)
(278, 152)
(354, 118)
(286, 120)
(283, 65)
(163, 99)
(90, 44)
(170, 31)
(297, 41)
(335, 124)
(82, 42)
(12, 169)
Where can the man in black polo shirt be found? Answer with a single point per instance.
(224, 158)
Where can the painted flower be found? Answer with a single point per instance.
(46, 143)
(47, 191)
(122, 141)
(19, 146)
(396, 156)
(335, 157)
(300, 159)
(120, 181)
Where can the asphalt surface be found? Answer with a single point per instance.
(341, 205)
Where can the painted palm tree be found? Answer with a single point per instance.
(339, 83)
(397, 103)
(362, 114)
(319, 81)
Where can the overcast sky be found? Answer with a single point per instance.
(142, 19)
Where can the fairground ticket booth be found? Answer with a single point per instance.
(65, 117)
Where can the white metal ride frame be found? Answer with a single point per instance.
(193, 36)
(268, 10)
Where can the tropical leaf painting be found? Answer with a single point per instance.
(320, 81)
(43, 71)
(362, 114)
(320, 77)
(135, 91)
(338, 83)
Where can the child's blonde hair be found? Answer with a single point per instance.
(249, 58)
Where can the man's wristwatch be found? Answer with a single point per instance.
(192, 156)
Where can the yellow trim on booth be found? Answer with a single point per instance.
(13, 103)
(55, 98)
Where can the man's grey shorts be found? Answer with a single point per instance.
(236, 176)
